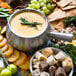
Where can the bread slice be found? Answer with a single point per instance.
(56, 15)
(40, 56)
(67, 64)
(72, 5)
(71, 12)
(63, 3)
(51, 60)
(60, 56)
(68, 7)
(47, 52)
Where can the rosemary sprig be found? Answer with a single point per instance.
(23, 20)
(33, 24)
(69, 20)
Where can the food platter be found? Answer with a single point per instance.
(27, 26)
(56, 51)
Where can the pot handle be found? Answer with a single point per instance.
(61, 36)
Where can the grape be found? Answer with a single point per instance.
(6, 72)
(42, 12)
(45, 5)
(40, 1)
(41, 4)
(12, 68)
(50, 7)
(30, 5)
(47, 12)
(34, 2)
(38, 6)
(45, 1)
(48, 0)
(44, 9)
(34, 6)
(39, 10)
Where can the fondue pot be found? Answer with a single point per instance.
(30, 43)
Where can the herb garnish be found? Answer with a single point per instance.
(31, 24)
(26, 73)
(4, 14)
(70, 20)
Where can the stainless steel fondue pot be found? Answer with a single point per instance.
(30, 43)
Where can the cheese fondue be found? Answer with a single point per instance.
(25, 30)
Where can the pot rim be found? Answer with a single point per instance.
(46, 23)
(31, 68)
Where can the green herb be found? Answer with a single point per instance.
(22, 73)
(7, 18)
(69, 20)
(70, 50)
(31, 24)
(4, 14)
(26, 73)
(23, 20)
(5, 10)
(1, 9)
